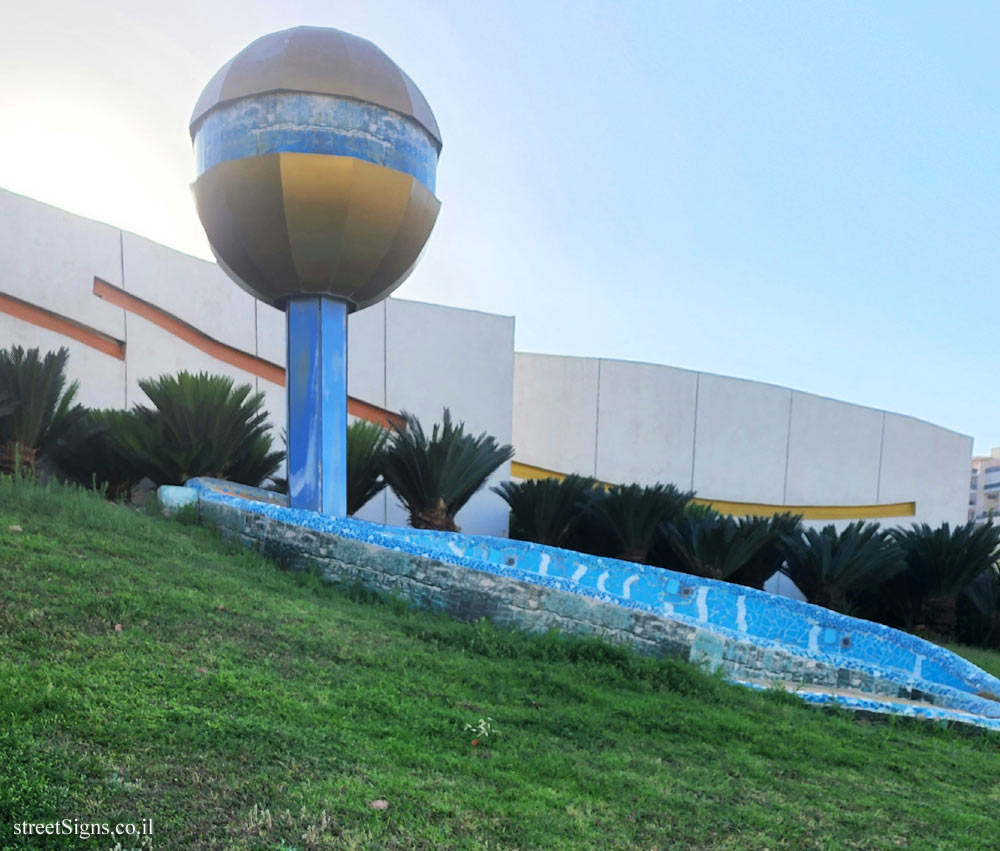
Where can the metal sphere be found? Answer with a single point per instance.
(316, 165)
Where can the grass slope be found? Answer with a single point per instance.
(240, 706)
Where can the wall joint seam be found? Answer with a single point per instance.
(881, 450)
(694, 430)
(597, 417)
(788, 448)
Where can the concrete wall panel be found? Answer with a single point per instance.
(194, 290)
(750, 442)
(833, 452)
(929, 464)
(555, 412)
(741, 440)
(643, 405)
(152, 352)
(366, 354)
(50, 258)
(270, 333)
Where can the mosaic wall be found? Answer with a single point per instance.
(753, 637)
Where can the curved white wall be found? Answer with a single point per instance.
(727, 438)
(731, 439)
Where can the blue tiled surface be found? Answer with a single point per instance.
(315, 124)
(888, 707)
(239, 491)
(730, 611)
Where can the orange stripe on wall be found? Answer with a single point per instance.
(227, 354)
(188, 333)
(62, 325)
(373, 413)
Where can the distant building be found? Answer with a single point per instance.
(984, 487)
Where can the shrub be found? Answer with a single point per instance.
(940, 564)
(978, 614)
(92, 454)
(632, 515)
(365, 459)
(831, 568)
(769, 559)
(435, 476)
(36, 405)
(546, 511)
(199, 425)
(714, 545)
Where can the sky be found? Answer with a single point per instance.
(802, 193)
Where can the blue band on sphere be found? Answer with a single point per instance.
(315, 124)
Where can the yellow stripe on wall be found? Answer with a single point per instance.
(742, 509)
(814, 512)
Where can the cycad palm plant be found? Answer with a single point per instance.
(546, 511)
(981, 621)
(830, 567)
(37, 406)
(768, 560)
(633, 514)
(713, 545)
(92, 454)
(365, 459)
(435, 476)
(199, 425)
(940, 563)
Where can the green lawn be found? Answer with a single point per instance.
(240, 706)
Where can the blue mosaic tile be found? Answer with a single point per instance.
(296, 122)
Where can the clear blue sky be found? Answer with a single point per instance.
(804, 193)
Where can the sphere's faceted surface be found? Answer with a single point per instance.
(316, 165)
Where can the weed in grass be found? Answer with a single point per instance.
(481, 732)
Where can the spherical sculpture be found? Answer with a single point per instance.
(316, 159)
(316, 156)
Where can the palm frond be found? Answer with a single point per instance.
(546, 511)
(37, 406)
(435, 476)
(940, 564)
(91, 453)
(365, 458)
(830, 567)
(632, 514)
(714, 545)
(771, 556)
(943, 560)
(200, 425)
(983, 590)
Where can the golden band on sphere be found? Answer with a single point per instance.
(290, 224)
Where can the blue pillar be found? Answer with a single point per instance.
(317, 404)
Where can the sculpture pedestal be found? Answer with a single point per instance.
(316, 385)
